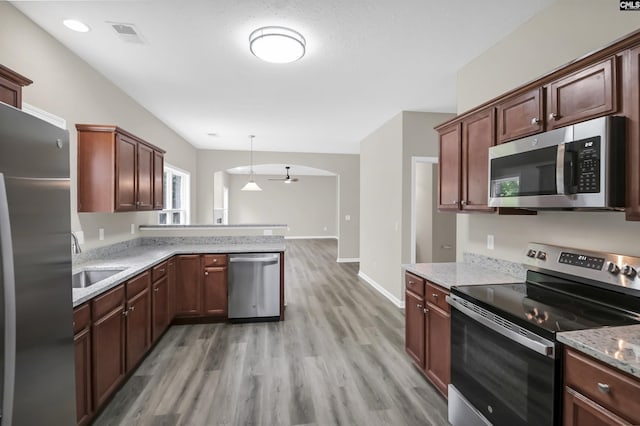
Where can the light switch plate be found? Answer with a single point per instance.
(490, 241)
(347, 217)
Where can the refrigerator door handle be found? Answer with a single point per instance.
(8, 289)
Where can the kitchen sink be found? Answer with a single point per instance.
(89, 277)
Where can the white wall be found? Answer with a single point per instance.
(307, 207)
(424, 211)
(68, 87)
(345, 166)
(566, 30)
(385, 195)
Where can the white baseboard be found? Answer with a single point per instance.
(348, 260)
(399, 303)
(321, 237)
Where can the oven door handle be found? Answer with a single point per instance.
(560, 169)
(539, 345)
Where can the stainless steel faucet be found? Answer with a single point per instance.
(75, 245)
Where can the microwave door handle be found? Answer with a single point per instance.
(570, 165)
(560, 169)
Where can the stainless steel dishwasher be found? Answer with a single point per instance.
(254, 286)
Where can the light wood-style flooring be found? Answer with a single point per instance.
(337, 359)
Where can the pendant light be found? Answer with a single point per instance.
(251, 185)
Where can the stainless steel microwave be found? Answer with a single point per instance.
(575, 167)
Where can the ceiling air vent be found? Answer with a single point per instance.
(127, 32)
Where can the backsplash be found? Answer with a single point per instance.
(507, 267)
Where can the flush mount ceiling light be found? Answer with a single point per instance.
(251, 185)
(75, 25)
(278, 45)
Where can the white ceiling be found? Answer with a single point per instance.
(279, 169)
(366, 61)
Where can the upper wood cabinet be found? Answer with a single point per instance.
(464, 157)
(588, 93)
(117, 171)
(521, 115)
(11, 84)
(449, 170)
(632, 105)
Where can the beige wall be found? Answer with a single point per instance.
(385, 194)
(307, 207)
(345, 166)
(566, 30)
(443, 228)
(68, 87)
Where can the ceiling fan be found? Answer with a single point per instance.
(287, 179)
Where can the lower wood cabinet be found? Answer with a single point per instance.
(138, 319)
(428, 329)
(201, 285)
(188, 285)
(160, 307)
(171, 288)
(82, 344)
(215, 292)
(108, 332)
(596, 394)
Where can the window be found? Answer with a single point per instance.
(176, 197)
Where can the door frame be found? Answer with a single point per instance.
(414, 161)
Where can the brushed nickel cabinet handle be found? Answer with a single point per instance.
(425, 310)
(463, 202)
(536, 121)
(411, 283)
(435, 295)
(133, 308)
(125, 313)
(553, 116)
(604, 388)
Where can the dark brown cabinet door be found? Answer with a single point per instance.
(415, 327)
(478, 135)
(11, 84)
(138, 327)
(520, 116)
(160, 300)
(588, 93)
(125, 173)
(449, 168)
(581, 411)
(108, 332)
(632, 93)
(171, 291)
(215, 291)
(188, 285)
(438, 347)
(144, 178)
(82, 344)
(158, 180)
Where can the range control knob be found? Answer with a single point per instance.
(629, 271)
(613, 268)
(531, 253)
(542, 255)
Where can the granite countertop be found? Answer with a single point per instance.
(135, 260)
(450, 274)
(616, 346)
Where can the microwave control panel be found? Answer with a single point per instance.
(588, 165)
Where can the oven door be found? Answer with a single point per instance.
(505, 381)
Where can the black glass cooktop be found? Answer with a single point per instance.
(549, 304)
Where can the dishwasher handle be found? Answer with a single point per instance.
(246, 259)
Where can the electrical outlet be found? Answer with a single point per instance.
(347, 217)
(101, 234)
(490, 241)
(324, 229)
(133, 228)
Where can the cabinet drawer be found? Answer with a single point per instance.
(436, 295)
(414, 284)
(214, 260)
(159, 271)
(604, 385)
(107, 302)
(138, 284)
(81, 318)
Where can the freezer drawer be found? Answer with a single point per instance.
(254, 286)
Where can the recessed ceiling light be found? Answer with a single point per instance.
(75, 25)
(277, 45)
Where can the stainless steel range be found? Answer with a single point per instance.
(505, 360)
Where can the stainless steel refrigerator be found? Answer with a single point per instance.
(37, 367)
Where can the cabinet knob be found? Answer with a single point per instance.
(553, 116)
(215, 260)
(419, 306)
(161, 271)
(455, 202)
(411, 282)
(156, 289)
(603, 387)
(463, 202)
(435, 295)
(425, 310)
(206, 273)
(125, 313)
(133, 308)
(535, 121)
